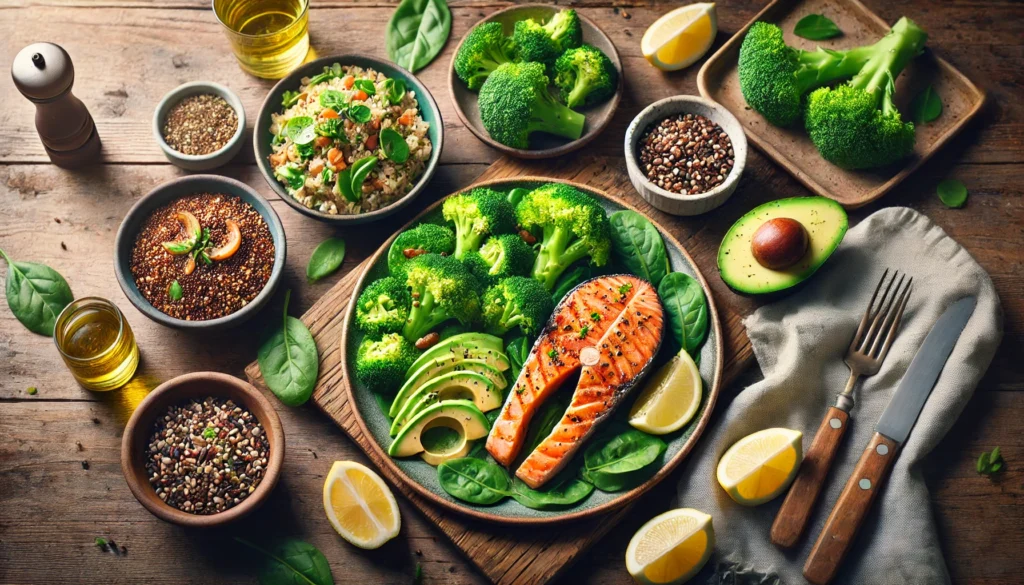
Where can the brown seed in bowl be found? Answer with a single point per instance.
(779, 243)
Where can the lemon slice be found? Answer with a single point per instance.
(671, 547)
(681, 37)
(760, 466)
(360, 505)
(670, 398)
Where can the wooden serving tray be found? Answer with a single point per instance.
(506, 554)
(718, 80)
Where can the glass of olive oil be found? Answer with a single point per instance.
(269, 37)
(97, 344)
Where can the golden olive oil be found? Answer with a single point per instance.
(97, 344)
(269, 37)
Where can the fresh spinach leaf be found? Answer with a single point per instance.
(394, 145)
(292, 175)
(301, 129)
(332, 128)
(359, 113)
(292, 562)
(953, 193)
(366, 86)
(334, 99)
(326, 258)
(927, 106)
(816, 27)
(517, 351)
(617, 482)
(622, 453)
(569, 280)
(638, 247)
(417, 32)
(329, 73)
(350, 180)
(564, 493)
(289, 361)
(473, 480)
(36, 294)
(687, 310)
(394, 89)
(544, 421)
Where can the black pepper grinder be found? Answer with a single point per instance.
(44, 74)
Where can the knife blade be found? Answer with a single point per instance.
(892, 430)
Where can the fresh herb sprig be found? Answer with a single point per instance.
(991, 462)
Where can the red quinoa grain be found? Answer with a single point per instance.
(686, 153)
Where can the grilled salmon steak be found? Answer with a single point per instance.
(611, 326)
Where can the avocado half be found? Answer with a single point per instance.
(825, 222)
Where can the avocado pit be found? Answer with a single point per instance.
(779, 243)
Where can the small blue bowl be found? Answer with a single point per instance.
(428, 111)
(199, 162)
(164, 194)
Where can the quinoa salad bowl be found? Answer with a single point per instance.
(348, 139)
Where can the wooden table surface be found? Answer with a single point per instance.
(60, 480)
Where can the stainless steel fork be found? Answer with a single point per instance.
(868, 349)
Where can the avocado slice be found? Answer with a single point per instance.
(455, 345)
(461, 415)
(453, 385)
(485, 367)
(825, 222)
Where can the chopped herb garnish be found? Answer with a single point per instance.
(331, 128)
(552, 354)
(327, 175)
(624, 289)
(209, 433)
(595, 316)
(583, 332)
(101, 542)
(991, 462)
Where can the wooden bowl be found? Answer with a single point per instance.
(542, 145)
(177, 390)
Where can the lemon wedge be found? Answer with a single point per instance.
(670, 398)
(671, 547)
(760, 466)
(360, 506)
(681, 37)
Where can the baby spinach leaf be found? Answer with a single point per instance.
(473, 480)
(360, 170)
(332, 98)
(953, 193)
(544, 422)
(687, 310)
(637, 246)
(618, 482)
(326, 258)
(622, 453)
(569, 280)
(359, 113)
(394, 89)
(394, 145)
(289, 361)
(329, 73)
(564, 493)
(292, 562)
(417, 32)
(816, 27)
(927, 106)
(301, 129)
(366, 86)
(517, 351)
(36, 294)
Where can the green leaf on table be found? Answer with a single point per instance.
(637, 246)
(473, 480)
(289, 361)
(36, 294)
(292, 562)
(687, 310)
(326, 258)
(816, 27)
(927, 106)
(953, 193)
(417, 32)
(991, 462)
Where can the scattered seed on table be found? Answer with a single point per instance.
(687, 154)
(32, 390)
(85, 465)
(200, 124)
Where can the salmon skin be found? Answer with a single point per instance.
(621, 320)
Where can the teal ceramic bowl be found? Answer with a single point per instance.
(163, 195)
(422, 476)
(272, 104)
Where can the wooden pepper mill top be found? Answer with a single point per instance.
(44, 74)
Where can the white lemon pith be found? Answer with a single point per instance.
(670, 399)
(360, 506)
(760, 466)
(671, 548)
(681, 37)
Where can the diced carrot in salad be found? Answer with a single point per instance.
(336, 158)
(321, 141)
(348, 81)
(407, 117)
(316, 166)
(278, 159)
(359, 95)
(328, 114)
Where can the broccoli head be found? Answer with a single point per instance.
(381, 365)
(500, 257)
(383, 307)
(856, 125)
(585, 76)
(482, 51)
(515, 102)
(543, 43)
(516, 301)
(422, 239)
(441, 288)
(477, 214)
(570, 225)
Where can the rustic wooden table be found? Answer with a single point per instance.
(60, 479)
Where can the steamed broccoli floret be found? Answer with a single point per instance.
(383, 306)
(483, 50)
(516, 301)
(500, 257)
(585, 76)
(381, 365)
(515, 102)
(857, 126)
(543, 43)
(774, 76)
(422, 239)
(477, 214)
(441, 289)
(570, 225)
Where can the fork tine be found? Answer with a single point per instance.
(867, 313)
(892, 323)
(883, 309)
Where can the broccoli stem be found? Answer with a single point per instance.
(557, 252)
(891, 56)
(579, 92)
(467, 239)
(554, 118)
(822, 66)
(423, 318)
(510, 318)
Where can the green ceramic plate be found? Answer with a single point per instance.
(422, 477)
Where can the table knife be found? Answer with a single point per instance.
(891, 432)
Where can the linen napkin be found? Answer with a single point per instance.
(800, 342)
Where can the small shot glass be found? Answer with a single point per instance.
(96, 343)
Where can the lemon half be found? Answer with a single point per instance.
(360, 506)
(671, 547)
(670, 398)
(681, 37)
(761, 466)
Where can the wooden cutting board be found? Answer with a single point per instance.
(511, 555)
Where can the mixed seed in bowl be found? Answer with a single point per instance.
(686, 153)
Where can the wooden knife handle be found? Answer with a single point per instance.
(796, 509)
(850, 510)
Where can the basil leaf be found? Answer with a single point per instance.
(359, 171)
(628, 451)
(564, 493)
(329, 73)
(174, 291)
(953, 193)
(327, 258)
(359, 113)
(366, 86)
(683, 299)
(394, 145)
(569, 280)
(300, 129)
(473, 480)
(289, 361)
(417, 32)
(637, 246)
(927, 106)
(334, 99)
(394, 89)
(816, 27)
(292, 562)
(36, 294)
(289, 98)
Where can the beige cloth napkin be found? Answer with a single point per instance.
(799, 343)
